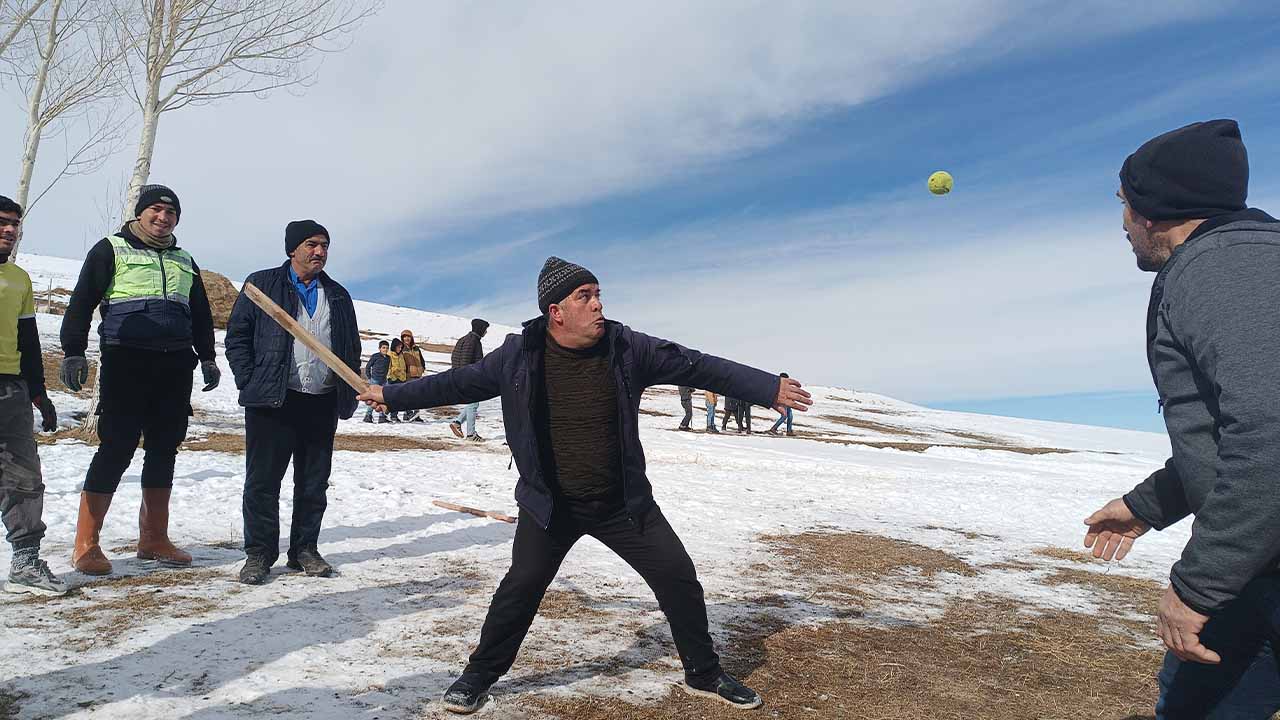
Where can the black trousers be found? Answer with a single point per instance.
(300, 430)
(687, 404)
(142, 393)
(649, 545)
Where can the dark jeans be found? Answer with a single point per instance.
(687, 404)
(1246, 685)
(147, 394)
(649, 545)
(300, 430)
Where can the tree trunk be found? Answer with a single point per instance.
(35, 119)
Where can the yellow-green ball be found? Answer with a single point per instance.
(941, 182)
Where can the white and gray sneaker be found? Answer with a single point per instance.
(33, 576)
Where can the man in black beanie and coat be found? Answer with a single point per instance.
(468, 351)
(1214, 349)
(156, 326)
(570, 387)
(292, 400)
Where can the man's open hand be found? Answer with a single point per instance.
(1112, 530)
(791, 395)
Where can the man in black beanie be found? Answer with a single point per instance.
(156, 326)
(570, 387)
(1214, 351)
(467, 351)
(292, 400)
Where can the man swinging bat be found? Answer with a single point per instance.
(571, 386)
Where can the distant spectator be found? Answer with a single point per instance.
(744, 415)
(732, 408)
(376, 371)
(686, 402)
(712, 399)
(468, 351)
(414, 367)
(784, 417)
(396, 372)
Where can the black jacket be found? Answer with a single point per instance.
(377, 367)
(260, 351)
(514, 371)
(467, 351)
(95, 277)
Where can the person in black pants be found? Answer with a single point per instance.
(156, 326)
(571, 385)
(686, 402)
(292, 400)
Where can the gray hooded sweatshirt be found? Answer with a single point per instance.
(1213, 342)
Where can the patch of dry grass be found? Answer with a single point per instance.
(986, 657)
(103, 621)
(967, 534)
(1136, 594)
(1059, 553)
(567, 605)
(872, 425)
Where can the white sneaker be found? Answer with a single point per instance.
(35, 578)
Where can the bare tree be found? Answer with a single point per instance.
(13, 17)
(69, 74)
(193, 52)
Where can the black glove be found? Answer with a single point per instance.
(48, 416)
(212, 375)
(74, 372)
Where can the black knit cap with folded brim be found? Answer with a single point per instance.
(559, 278)
(1197, 171)
(149, 195)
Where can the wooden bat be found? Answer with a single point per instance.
(473, 511)
(287, 322)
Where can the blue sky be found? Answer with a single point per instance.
(747, 178)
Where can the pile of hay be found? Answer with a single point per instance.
(222, 296)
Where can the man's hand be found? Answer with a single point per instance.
(1180, 628)
(212, 375)
(74, 372)
(48, 415)
(373, 398)
(1112, 530)
(791, 395)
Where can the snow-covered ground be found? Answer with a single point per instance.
(385, 636)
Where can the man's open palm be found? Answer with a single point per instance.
(792, 395)
(1112, 530)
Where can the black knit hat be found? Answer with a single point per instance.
(299, 230)
(559, 278)
(151, 194)
(1197, 171)
(479, 326)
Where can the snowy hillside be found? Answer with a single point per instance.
(1004, 497)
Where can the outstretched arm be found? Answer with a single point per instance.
(667, 363)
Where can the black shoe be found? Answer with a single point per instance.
(466, 695)
(309, 561)
(255, 570)
(726, 689)
(368, 418)
(684, 428)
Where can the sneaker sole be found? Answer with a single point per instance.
(19, 589)
(463, 709)
(716, 696)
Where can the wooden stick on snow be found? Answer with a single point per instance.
(287, 322)
(473, 511)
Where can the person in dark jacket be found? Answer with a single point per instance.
(154, 312)
(732, 409)
(686, 402)
(376, 372)
(1214, 352)
(468, 351)
(292, 400)
(571, 385)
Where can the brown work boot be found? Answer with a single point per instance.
(153, 530)
(87, 556)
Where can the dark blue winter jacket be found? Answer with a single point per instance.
(260, 351)
(514, 371)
